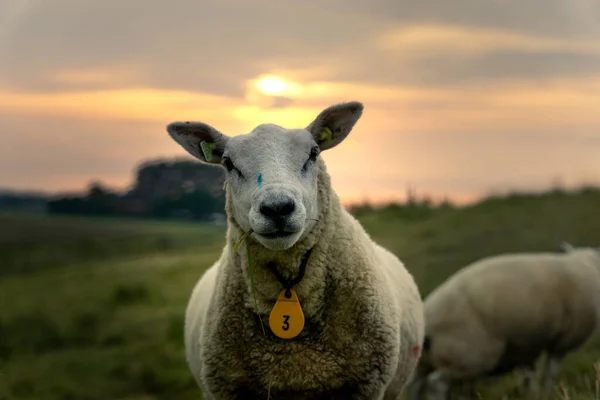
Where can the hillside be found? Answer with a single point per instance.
(93, 308)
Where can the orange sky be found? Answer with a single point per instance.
(460, 99)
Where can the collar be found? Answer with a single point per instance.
(289, 283)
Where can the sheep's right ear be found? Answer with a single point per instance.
(199, 139)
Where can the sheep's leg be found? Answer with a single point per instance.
(439, 385)
(550, 372)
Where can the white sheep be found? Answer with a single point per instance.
(503, 312)
(362, 311)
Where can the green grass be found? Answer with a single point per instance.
(93, 308)
(34, 242)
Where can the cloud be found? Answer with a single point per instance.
(555, 18)
(502, 104)
(202, 46)
(130, 104)
(446, 40)
(216, 46)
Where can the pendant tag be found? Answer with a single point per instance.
(287, 319)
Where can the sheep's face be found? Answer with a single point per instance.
(272, 176)
(272, 171)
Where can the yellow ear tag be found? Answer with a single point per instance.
(326, 134)
(287, 319)
(207, 150)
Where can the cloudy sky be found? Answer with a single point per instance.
(461, 97)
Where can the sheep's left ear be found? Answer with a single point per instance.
(334, 123)
(200, 140)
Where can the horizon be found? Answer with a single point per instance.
(555, 185)
(461, 100)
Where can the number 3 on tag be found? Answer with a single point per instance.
(287, 319)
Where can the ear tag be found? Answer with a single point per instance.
(326, 134)
(287, 319)
(207, 150)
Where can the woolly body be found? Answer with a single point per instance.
(503, 312)
(363, 312)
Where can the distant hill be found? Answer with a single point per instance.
(11, 200)
(159, 180)
(162, 188)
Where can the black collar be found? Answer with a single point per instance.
(289, 283)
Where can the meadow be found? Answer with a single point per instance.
(92, 308)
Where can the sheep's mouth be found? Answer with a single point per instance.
(277, 234)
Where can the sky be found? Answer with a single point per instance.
(462, 98)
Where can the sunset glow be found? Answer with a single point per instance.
(272, 85)
(457, 107)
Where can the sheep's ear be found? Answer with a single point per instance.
(200, 140)
(566, 247)
(334, 123)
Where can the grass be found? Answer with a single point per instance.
(34, 242)
(93, 308)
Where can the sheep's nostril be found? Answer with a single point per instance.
(277, 209)
(267, 211)
(287, 208)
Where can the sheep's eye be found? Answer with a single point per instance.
(314, 152)
(228, 164)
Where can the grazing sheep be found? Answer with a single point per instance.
(363, 314)
(502, 312)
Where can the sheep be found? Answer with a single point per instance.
(356, 320)
(503, 312)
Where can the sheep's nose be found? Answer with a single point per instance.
(277, 209)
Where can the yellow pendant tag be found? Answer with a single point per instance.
(287, 319)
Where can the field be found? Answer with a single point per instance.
(93, 308)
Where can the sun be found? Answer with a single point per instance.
(272, 85)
